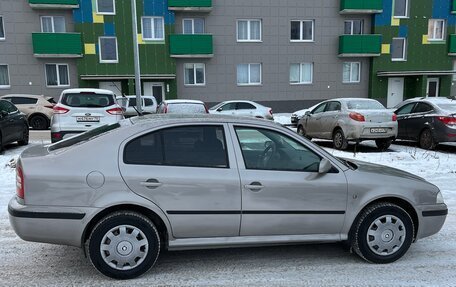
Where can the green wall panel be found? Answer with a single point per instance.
(57, 43)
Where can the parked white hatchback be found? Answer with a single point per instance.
(79, 110)
(148, 105)
(243, 109)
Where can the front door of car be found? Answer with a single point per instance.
(227, 109)
(190, 173)
(282, 191)
(10, 120)
(403, 120)
(418, 119)
(313, 121)
(329, 119)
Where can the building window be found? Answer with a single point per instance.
(301, 73)
(353, 27)
(436, 30)
(4, 76)
(401, 8)
(248, 30)
(194, 74)
(108, 49)
(153, 28)
(249, 74)
(302, 31)
(57, 75)
(351, 72)
(399, 49)
(2, 29)
(106, 7)
(53, 24)
(193, 26)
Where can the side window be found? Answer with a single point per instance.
(264, 149)
(229, 107)
(148, 102)
(24, 101)
(245, 106)
(8, 107)
(407, 109)
(196, 146)
(333, 106)
(422, 108)
(319, 109)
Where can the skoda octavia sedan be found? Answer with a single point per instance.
(350, 119)
(204, 181)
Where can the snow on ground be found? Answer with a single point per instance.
(429, 262)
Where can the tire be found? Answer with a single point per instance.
(142, 250)
(339, 140)
(302, 132)
(396, 238)
(383, 144)
(38, 122)
(25, 137)
(426, 140)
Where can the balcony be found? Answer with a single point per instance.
(453, 6)
(54, 4)
(360, 45)
(190, 5)
(191, 46)
(452, 45)
(57, 45)
(361, 6)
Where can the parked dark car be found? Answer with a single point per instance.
(13, 125)
(428, 121)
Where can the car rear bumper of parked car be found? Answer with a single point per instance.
(47, 224)
(431, 219)
(365, 131)
(445, 134)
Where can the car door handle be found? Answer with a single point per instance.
(254, 186)
(151, 183)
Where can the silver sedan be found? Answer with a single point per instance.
(344, 120)
(242, 109)
(125, 191)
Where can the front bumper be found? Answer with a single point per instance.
(49, 224)
(431, 219)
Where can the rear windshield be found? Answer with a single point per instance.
(364, 105)
(448, 106)
(88, 100)
(85, 136)
(186, 108)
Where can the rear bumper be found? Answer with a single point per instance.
(431, 219)
(46, 224)
(445, 134)
(363, 131)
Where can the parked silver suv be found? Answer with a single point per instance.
(79, 110)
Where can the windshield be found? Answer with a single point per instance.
(88, 100)
(216, 106)
(186, 108)
(364, 105)
(90, 134)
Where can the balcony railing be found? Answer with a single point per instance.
(191, 46)
(190, 5)
(57, 45)
(360, 45)
(54, 4)
(361, 6)
(452, 45)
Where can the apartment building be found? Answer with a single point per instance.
(286, 54)
(38, 49)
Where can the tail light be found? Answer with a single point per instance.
(394, 119)
(115, 111)
(270, 112)
(357, 117)
(60, 110)
(449, 121)
(165, 110)
(19, 182)
(56, 137)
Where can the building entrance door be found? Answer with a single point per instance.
(156, 89)
(395, 91)
(432, 89)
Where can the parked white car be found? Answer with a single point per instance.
(148, 105)
(243, 109)
(79, 110)
(182, 107)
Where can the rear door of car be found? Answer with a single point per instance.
(403, 120)
(418, 119)
(245, 109)
(190, 172)
(282, 192)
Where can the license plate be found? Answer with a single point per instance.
(87, 119)
(377, 130)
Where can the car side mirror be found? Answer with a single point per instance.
(325, 166)
(307, 113)
(219, 109)
(3, 114)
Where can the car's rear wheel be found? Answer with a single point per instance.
(383, 144)
(427, 140)
(339, 140)
(124, 245)
(383, 233)
(25, 136)
(39, 122)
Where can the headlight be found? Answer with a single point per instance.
(439, 198)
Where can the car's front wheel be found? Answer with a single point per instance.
(383, 144)
(383, 233)
(426, 140)
(302, 132)
(123, 245)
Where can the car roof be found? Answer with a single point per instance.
(90, 90)
(240, 101)
(183, 102)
